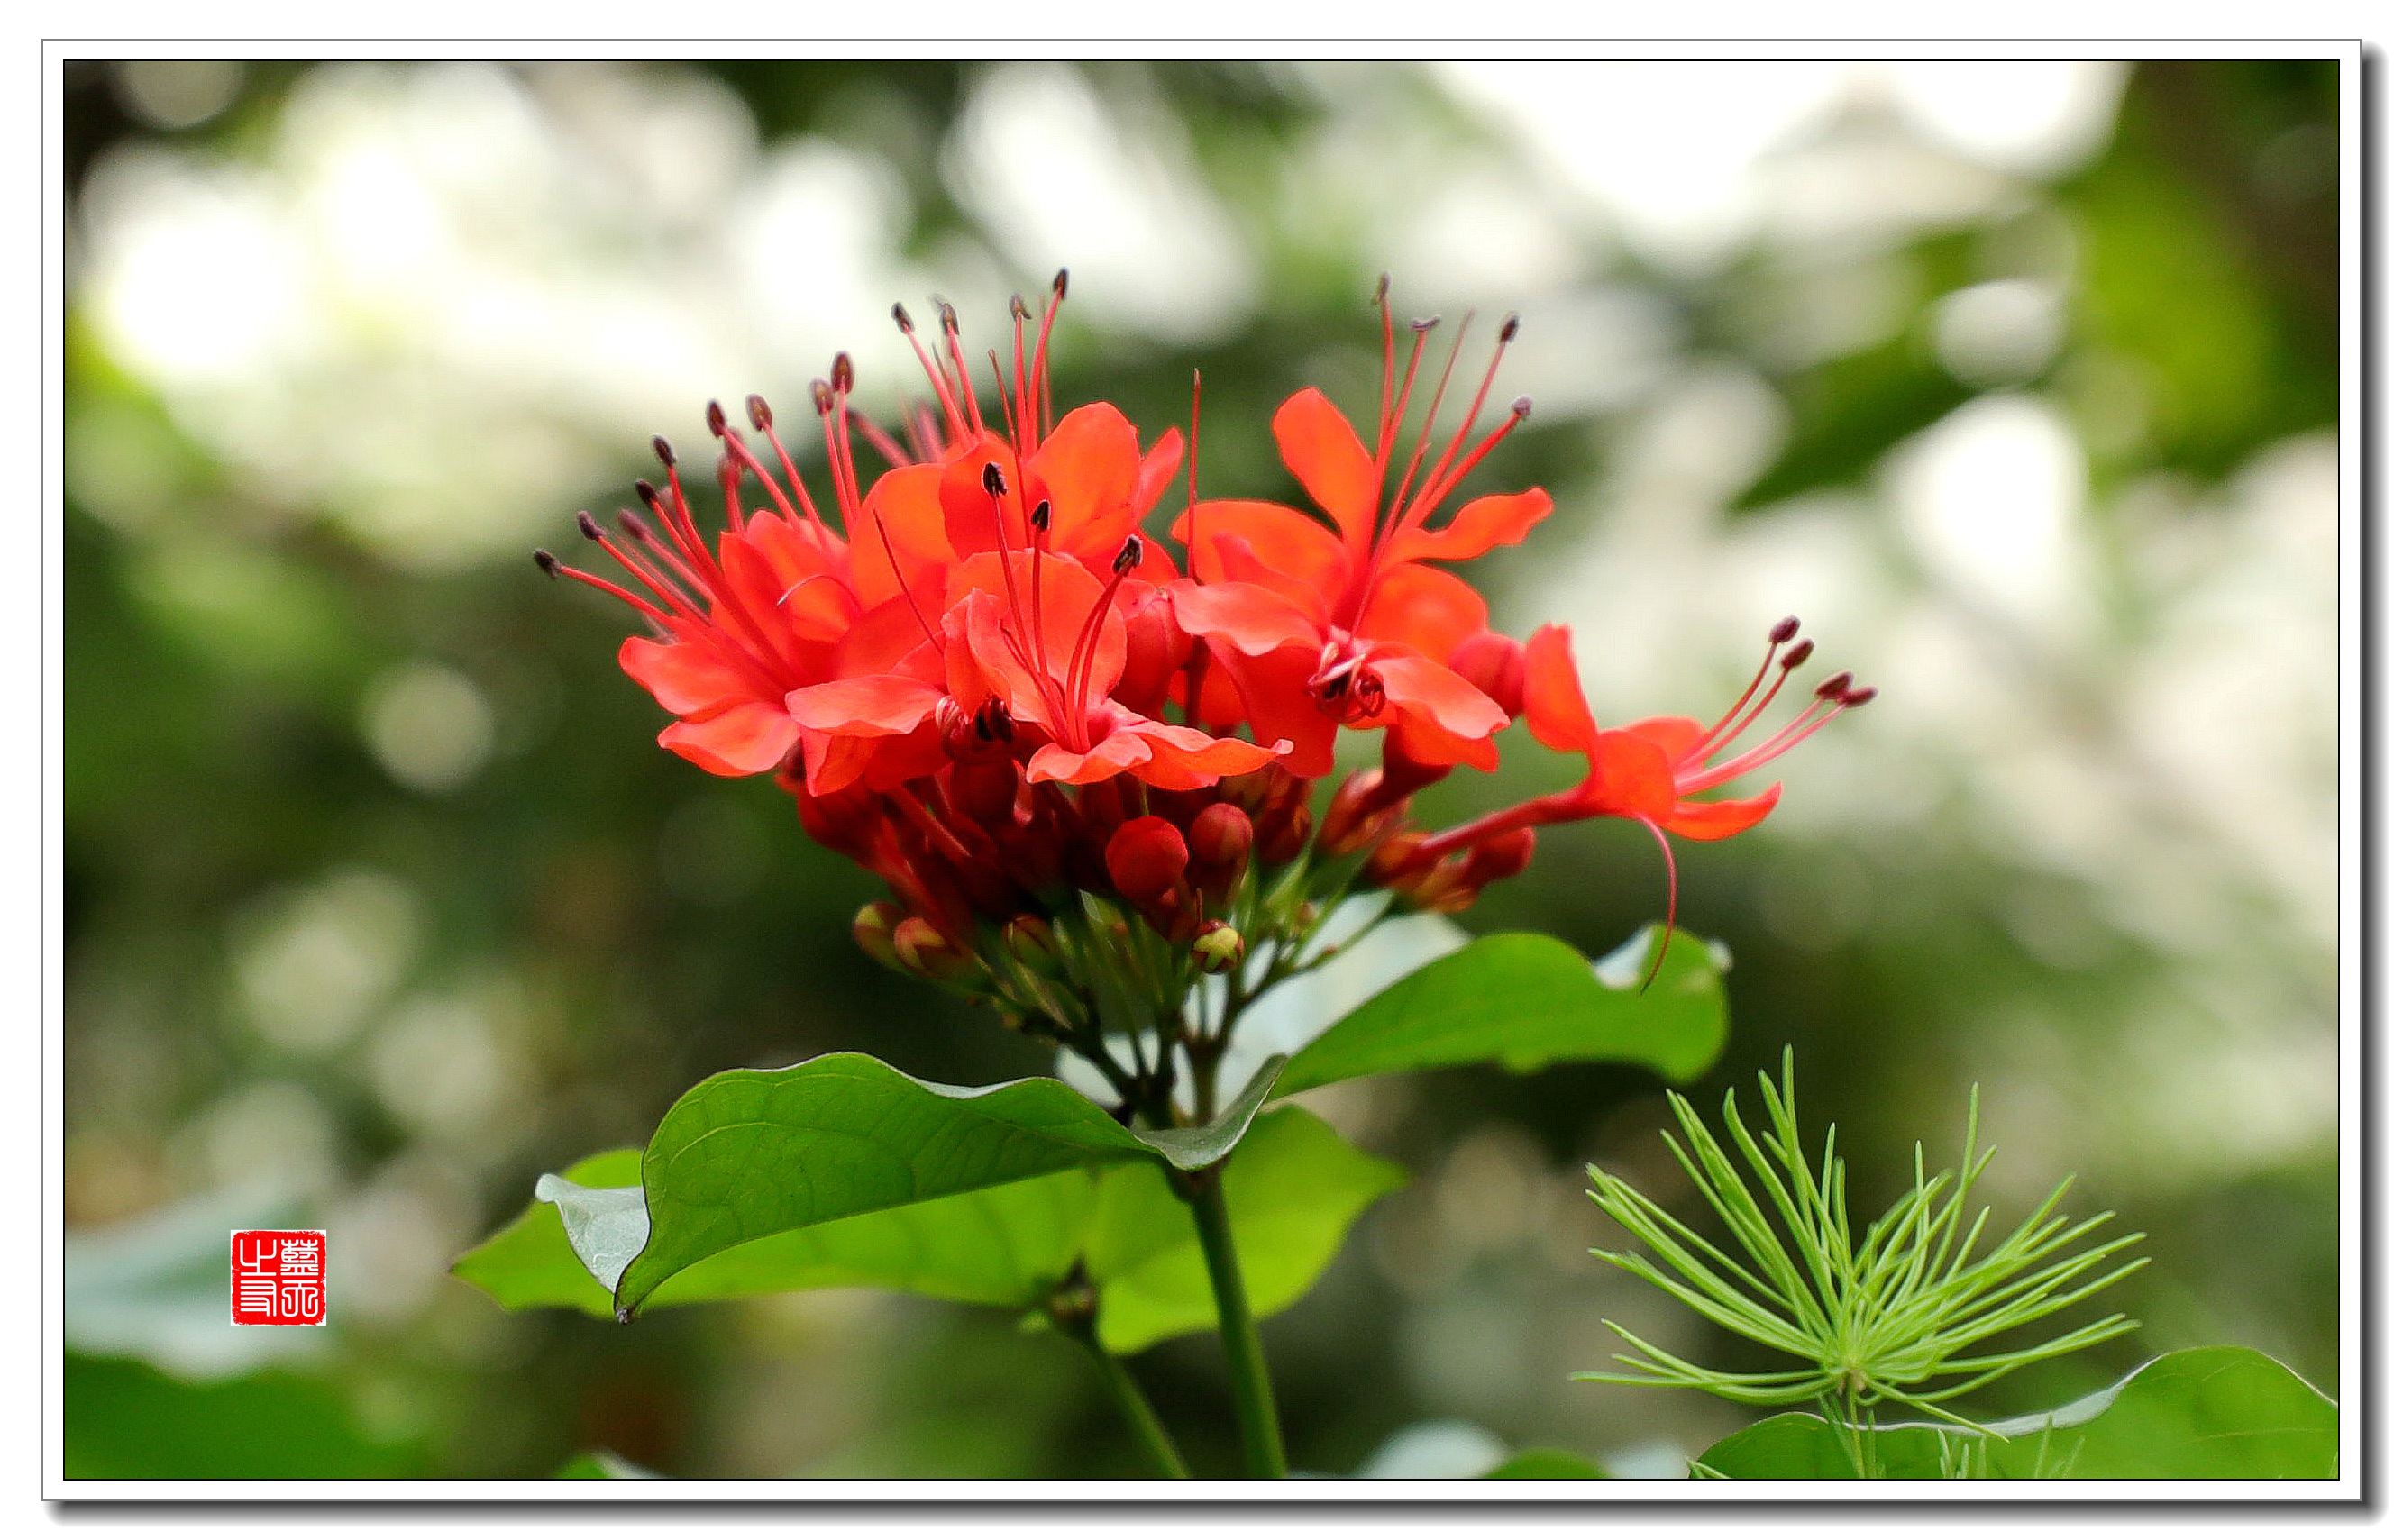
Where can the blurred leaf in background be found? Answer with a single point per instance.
(2017, 380)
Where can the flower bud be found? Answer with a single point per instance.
(1393, 858)
(1221, 835)
(872, 928)
(1498, 665)
(1282, 833)
(1156, 648)
(1502, 856)
(923, 949)
(1220, 839)
(1357, 816)
(1220, 948)
(1028, 940)
(1146, 857)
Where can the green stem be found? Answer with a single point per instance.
(1255, 1401)
(1132, 1403)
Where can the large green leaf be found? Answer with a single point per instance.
(1006, 1246)
(749, 1154)
(1292, 1188)
(2199, 1414)
(1524, 1001)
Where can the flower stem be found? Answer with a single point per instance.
(1254, 1400)
(1132, 1403)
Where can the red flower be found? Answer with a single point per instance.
(1316, 625)
(1653, 771)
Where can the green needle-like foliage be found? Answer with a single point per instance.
(1897, 1315)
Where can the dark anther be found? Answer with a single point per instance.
(1836, 687)
(944, 313)
(993, 485)
(717, 415)
(822, 396)
(650, 496)
(1060, 284)
(1860, 696)
(842, 376)
(902, 318)
(1018, 307)
(1385, 283)
(587, 527)
(761, 417)
(635, 530)
(1797, 655)
(1509, 327)
(1129, 554)
(547, 563)
(667, 455)
(1782, 632)
(1426, 324)
(1041, 517)
(1523, 408)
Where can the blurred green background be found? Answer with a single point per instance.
(2018, 381)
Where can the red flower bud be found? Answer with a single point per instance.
(1504, 855)
(1146, 857)
(1156, 648)
(1221, 841)
(1498, 665)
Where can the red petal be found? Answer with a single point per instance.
(879, 705)
(1556, 710)
(1245, 616)
(1158, 468)
(969, 519)
(685, 677)
(1718, 820)
(1628, 779)
(1294, 540)
(1435, 694)
(742, 740)
(906, 507)
(1502, 518)
(1674, 736)
(1428, 611)
(1188, 759)
(1087, 466)
(1325, 455)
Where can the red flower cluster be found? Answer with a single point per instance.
(979, 679)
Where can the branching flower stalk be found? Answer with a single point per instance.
(1091, 773)
(1898, 1315)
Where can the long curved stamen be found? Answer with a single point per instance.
(765, 421)
(881, 442)
(1042, 371)
(1385, 406)
(1426, 427)
(952, 418)
(951, 327)
(1088, 637)
(1445, 475)
(1779, 635)
(1669, 925)
(1193, 487)
(1725, 733)
(1822, 710)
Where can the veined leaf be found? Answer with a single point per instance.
(1006, 1246)
(1524, 1001)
